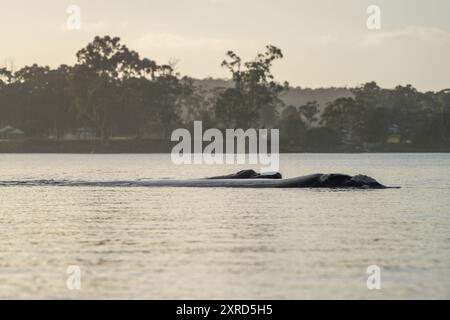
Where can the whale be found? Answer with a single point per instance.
(242, 179)
(250, 178)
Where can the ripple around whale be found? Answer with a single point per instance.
(241, 179)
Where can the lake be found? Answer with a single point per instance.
(223, 243)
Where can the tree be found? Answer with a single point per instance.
(443, 109)
(29, 108)
(100, 80)
(106, 56)
(376, 117)
(5, 77)
(254, 89)
(321, 139)
(309, 112)
(292, 127)
(198, 104)
(164, 96)
(58, 110)
(344, 117)
(112, 91)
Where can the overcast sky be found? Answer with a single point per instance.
(325, 42)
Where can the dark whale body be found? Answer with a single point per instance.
(241, 179)
(317, 180)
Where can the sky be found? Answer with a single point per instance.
(325, 42)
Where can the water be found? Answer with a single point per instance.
(137, 242)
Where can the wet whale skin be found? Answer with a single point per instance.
(317, 180)
(241, 179)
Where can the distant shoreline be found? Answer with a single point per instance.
(117, 146)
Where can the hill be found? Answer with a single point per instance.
(295, 96)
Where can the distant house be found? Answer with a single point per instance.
(9, 132)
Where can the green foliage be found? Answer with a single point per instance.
(254, 90)
(112, 91)
(292, 127)
(344, 116)
(374, 114)
(321, 139)
(310, 112)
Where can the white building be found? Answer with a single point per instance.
(9, 132)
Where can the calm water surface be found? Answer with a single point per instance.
(137, 242)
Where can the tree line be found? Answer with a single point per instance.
(112, 91)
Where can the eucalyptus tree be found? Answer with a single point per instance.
(105, 68)
(254, 88)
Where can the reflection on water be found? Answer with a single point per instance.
(224, 243)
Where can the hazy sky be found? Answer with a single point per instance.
(325, 42)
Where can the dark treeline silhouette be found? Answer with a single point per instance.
(112, 92)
